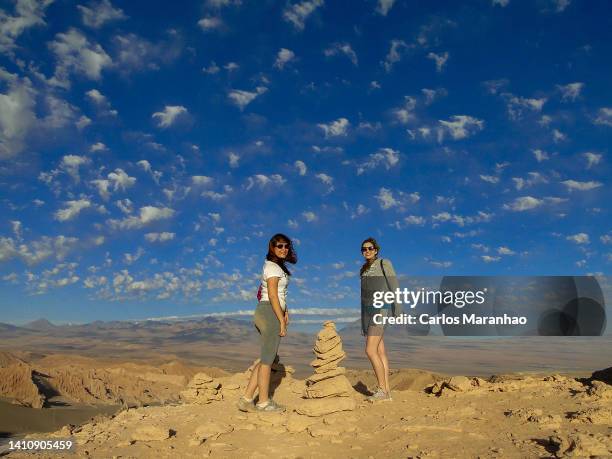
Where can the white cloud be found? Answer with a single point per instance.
(439, 59)
(17, 114)
(516, 106)
(297, 13)
(342, 48)
(37, 251)
(433, 94)
(97, 14)
(359, 211)
(480, 217)
(263, 181)
(386, 157)
(461, 127)
(201, 180)
(505, 251)
(28, 13)
(301, 167)
(579, 238)
(159, 237)
(489, 178)
(309, 216)
(146, 166)
(559, 136)
(242, 98)
(494, 86)
(405, 113)
(524, 203)
(540, 155)
(82, 122)
(534, 178)
(283, 57)
(593, 159)
(502, 3)
(581, 186)
(233, 159)
(529, 202)
(102, 186)
(73, 209)
(604, 116)
(98, 146)
(212, 68)
(96, 96)
(292, 224)
(560, 5)
(384, 6)
(120, 180)
(414, 220)
(75, 54)
(147, 215)
(387, 199)
(570, 92)
(125, 205)
(134, 53)
(395, 54)
(335, 128)
(210, 23)
(489, 258)
(170, 114)
(326, 180)
(72, 163)
(439, 264)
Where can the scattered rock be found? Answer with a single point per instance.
(210, 431)
(598, 415)
(151, 433)
(202, 389)
(296, 423)
(582, 445)
(324, 406)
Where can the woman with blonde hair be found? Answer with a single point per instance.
(376, 274)
(271, 320)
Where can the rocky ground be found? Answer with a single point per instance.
(515, 416)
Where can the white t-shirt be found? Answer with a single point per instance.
(271, 269)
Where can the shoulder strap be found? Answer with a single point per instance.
(382, 267)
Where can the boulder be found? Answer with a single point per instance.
(338, 386)
(328, 374)
(325, 406)
(151, 433)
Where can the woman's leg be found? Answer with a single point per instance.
(263, 382)
(382, 354)
(372, 342)
(252, 386)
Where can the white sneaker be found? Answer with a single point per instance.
(380, 396)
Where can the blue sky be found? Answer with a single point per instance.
(148, 152)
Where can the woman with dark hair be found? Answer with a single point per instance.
(271, 320)
(376, 274)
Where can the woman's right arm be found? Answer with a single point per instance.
(272, 283)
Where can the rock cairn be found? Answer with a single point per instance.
(327, 390)
(202, 389)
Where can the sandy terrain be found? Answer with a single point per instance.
(192, 410)
(520, 417)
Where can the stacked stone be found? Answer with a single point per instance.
(328, 382)
(202, 389)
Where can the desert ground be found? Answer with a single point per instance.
(170, 405)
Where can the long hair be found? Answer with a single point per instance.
(291, 255)
(368, 263)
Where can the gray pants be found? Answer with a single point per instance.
(268, 326)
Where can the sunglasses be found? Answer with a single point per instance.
(282, 246)
(368, 249)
